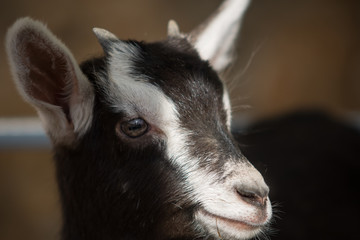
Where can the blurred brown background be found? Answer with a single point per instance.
(299, 54)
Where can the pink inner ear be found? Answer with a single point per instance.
(50, 74)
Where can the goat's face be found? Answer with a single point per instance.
(142, 135)
(166, 111)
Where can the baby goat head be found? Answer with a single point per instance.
(141, 136)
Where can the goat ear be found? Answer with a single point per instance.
(48, 77)
(215, 38)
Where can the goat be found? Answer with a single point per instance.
(141, 136)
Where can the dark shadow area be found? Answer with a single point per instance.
(311, 162)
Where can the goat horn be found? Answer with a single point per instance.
(173, 29)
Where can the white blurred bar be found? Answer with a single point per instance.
(22, 133)
(27, 132)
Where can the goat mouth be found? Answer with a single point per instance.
(226, 227)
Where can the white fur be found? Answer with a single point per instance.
(216, 40)
(227, 107)
(52, 116)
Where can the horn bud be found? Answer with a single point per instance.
(173, 29)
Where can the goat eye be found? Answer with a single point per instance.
(134, 128)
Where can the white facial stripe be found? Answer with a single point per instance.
(227, 107)
(135, 95)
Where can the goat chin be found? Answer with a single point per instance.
(227, 228)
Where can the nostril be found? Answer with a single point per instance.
(254, 196)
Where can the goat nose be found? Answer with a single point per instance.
(255, 195)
